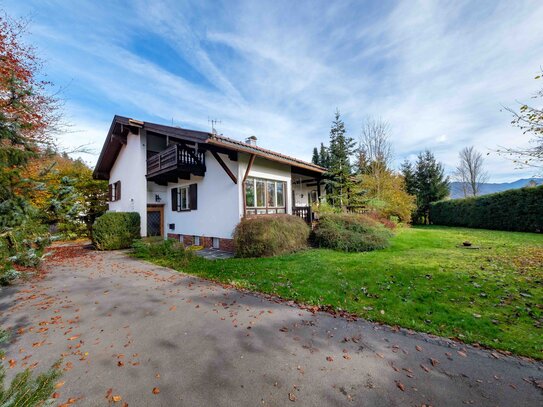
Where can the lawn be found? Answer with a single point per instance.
(491, 293)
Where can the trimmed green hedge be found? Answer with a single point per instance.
(116, 230)
(270, 235)
(350, 233)
(517, 210)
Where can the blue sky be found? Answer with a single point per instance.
(438, 72)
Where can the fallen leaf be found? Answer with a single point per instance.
(116, 398)
(434, 362)
(73, 338)
(463, 354)
(156, 390)
(329, 358)
(59, 385)
(400, 385)
(418, 348)
(55, 395)
(291, 397)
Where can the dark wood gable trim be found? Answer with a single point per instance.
(249, 166)
(225, 167)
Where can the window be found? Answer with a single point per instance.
(196, 240)
(184, 198)
(264, 196)
(114, 191)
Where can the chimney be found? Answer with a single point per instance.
(251, 140)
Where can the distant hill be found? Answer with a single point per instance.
(490, 188)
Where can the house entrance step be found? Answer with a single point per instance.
(213, 254)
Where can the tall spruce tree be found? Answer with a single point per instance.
(430, 183)
(315, 159)
(324, 157)
(408, 174)
(341, 148)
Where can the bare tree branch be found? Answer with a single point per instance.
(470, 171)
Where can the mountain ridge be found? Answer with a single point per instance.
(493, 187)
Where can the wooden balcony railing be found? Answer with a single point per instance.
(176, 157)
(303, 212)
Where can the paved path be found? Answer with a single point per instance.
(132, 327)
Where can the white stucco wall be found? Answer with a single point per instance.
(301, 193)
(154, 189)
(218, 203)
(130, 168)
(262, 168)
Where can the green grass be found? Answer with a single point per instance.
(491, 295)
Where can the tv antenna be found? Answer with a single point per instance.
(213, 123)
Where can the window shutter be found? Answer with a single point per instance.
(174, 200)
(193, 196)
(110, 192)
(118, 191)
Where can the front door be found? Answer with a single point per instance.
(155, 223)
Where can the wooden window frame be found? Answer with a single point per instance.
(114, 191)
(191, 198)
(269, 210)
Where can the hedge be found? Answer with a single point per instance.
(270, 235)
(350, 233)
(116, 230)
(516, 210)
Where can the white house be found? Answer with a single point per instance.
(196, 186)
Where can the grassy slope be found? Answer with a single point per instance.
(492, 295)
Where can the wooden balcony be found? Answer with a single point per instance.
(177, 161)
(303, 212)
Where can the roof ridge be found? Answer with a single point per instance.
(265, 150)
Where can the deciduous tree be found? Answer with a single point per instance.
(529, 119)
(470, 171)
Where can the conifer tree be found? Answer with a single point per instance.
(430, 183)
(324, 158)
(408, 173)
(341, 148)
(315, 159)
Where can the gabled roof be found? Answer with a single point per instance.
(121, 126)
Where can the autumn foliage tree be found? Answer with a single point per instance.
(28, 115)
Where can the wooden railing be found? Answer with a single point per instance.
(303, 212)
(174, 157)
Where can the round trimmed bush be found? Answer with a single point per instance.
(270, 235)
(350, 233)
(116, 230)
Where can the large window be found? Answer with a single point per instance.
(264, 196)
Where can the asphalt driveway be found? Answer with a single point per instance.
(144, 335)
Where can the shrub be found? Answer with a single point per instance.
(517, 210)
(388, 223)
(165, 252)
(116, 230)
(270, 235)
(351, 233)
